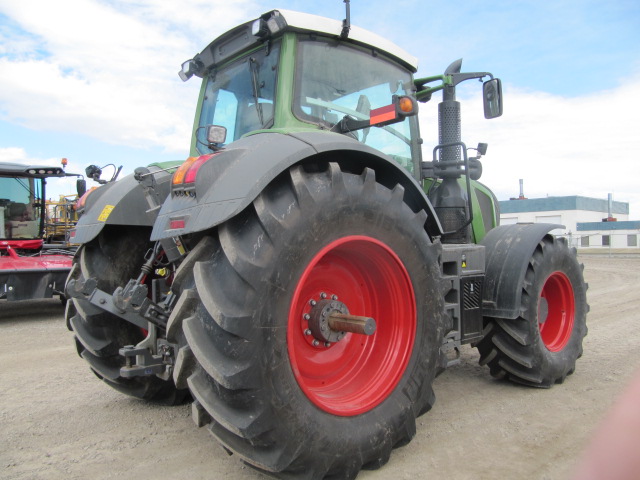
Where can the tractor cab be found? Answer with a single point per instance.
(30, 266)
(21, 212)
(25, 214)
(286, 71)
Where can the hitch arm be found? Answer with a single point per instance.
(141, 316)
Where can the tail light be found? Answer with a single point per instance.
(185, 177)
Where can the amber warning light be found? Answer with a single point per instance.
(401, 107)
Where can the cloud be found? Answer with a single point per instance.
(560, 146)
(107, 70)
(13, 155)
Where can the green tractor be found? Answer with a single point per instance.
(305, 274)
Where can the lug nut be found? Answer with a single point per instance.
(306, 316)
(323, 295)
(312, 303)
(307, 331)
(315, 343)
(334, 297)
(327, 344)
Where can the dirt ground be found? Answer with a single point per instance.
(57, 421)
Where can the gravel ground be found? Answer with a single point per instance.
(58, 421)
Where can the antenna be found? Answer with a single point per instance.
(346, 23)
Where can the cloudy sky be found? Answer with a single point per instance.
(96, 81)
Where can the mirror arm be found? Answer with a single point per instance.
(421, 82)
(457, 78)
(425, 95)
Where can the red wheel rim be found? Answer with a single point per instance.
(357, 373)
(557, 328)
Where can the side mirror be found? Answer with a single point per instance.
(492, 98)
(81, 187)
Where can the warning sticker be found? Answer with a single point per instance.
(106, 211)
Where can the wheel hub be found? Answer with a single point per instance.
(326, 321)
(319, 320)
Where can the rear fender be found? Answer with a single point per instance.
(229, 182)
(508, 250)
(119, 203)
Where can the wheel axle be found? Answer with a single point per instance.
(329, 321)
(342, 322)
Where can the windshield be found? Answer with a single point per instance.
(19, 207)
(334, 80)
(240, 96)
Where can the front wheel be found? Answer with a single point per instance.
(541, 346)
(273, 380)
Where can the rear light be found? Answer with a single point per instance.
(178, 176)
(175, 224)
(190, 177)
(188, 171)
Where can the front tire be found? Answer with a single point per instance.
(269, 390)
(541, 346)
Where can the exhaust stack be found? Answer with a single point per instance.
(610, 217)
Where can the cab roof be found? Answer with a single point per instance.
(307, 22)
(275, 22)
(9, 169)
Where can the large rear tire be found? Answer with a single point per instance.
(113, 258)
(541, 346)
(268, 389)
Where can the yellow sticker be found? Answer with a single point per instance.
(106, 211)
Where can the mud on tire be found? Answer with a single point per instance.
(541, 346)
(262, 386)
(113, 258)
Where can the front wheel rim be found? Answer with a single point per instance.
(557, 327)
(358, 372)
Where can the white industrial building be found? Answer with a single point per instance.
(588, 222)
